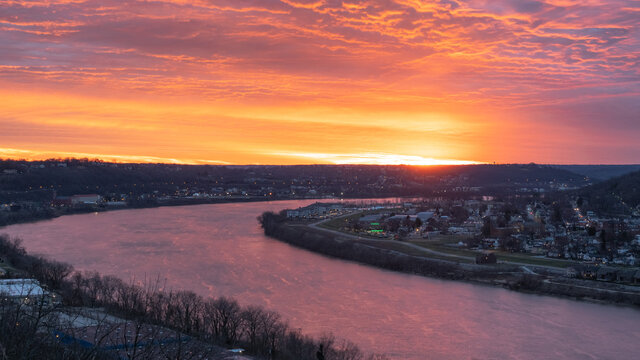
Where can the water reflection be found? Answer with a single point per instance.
(220, 250)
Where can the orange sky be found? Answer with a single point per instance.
(293, 81)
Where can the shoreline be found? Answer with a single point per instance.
(502, 275)
(52, 213)
(68, 301)
(506, 276)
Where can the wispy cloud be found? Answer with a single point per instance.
(489, 66)
(8, 153)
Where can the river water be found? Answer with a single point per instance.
(219, 249)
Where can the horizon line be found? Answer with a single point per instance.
(218, 163)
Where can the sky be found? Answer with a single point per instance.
(321, 81)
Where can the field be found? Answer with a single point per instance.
(440, 242)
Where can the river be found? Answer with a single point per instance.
(219, 249)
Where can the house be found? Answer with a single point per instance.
(589, 272)
(424, 216)
(630, 276)
(607, 274)
(630, 260)
(61, 201)
(292, 214)
(490, 243)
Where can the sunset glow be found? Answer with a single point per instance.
(376, 159)
(308, 81)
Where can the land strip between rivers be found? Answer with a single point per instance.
(385, 254)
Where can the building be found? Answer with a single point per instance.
(61, 201)
(424, 216)
(24, 290)
(88, 199)
(121, 338)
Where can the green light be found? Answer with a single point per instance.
(376, 231)
(375, 224)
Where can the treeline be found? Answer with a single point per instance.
(38, 180)
(221, 321)
(26, 215)
(620, 195)
(49, 272)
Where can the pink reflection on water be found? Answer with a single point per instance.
(220, 250)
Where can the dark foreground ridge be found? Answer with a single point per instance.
(61, 314)
(544, 282)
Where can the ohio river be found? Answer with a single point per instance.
(219, 249)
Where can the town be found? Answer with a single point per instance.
(33, 190)
(527, 230)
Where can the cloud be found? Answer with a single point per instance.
(465, 58)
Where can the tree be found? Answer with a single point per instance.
(603, 240)
(486, 227)
(224, 317)
(459, 214)
(320, 353)
(556, 217)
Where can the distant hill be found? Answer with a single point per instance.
(42, 180)
(497, 175)
(599, 172)
(620, 195)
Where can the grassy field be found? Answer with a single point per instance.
(502, 256)
(400, 247)
(338, 223)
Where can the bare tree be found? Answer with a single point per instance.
(224, 317)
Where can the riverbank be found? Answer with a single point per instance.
(46, 213)
(503, 275)
(156, 318)
(40, 212)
